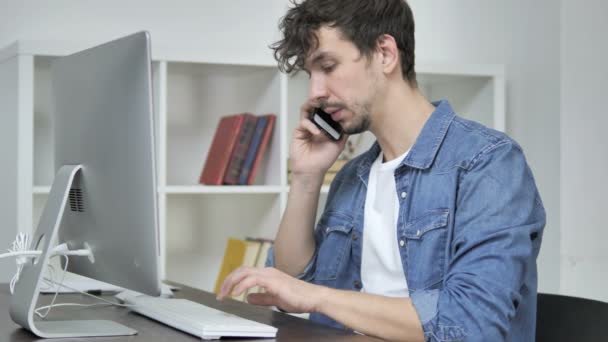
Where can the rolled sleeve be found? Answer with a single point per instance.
(492, 263)
(425, 303)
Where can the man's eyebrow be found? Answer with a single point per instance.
(316, 57)
(320, 56)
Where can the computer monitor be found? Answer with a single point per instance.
(104, 195)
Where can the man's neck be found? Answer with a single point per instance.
(400, 119)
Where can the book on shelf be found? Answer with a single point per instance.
(265, 245)
(220, 151)
(239, 151)
(250, 252)
(237, 253)
(257, 148)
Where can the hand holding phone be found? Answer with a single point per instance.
(310, 152)
(326, 124)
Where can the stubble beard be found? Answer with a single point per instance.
(360, 122)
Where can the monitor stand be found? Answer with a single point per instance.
(27, 289)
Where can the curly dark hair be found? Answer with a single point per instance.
(361, 21)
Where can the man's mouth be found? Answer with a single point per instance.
(336, 115)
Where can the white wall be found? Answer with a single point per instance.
(232, 26)
(584, 151)
(523, 35)
(8, 159)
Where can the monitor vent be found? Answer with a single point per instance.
(76, 202)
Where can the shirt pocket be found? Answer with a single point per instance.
(426, 238)
(335, 246)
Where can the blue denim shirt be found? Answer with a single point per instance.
(469, 229)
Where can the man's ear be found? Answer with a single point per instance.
(388, 53)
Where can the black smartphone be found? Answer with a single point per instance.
(326, 124)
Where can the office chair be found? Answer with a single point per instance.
(564, 318)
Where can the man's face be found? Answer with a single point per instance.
(343, 81)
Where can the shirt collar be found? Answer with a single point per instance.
(423, 152)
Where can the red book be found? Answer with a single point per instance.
(262, 147)
(239, 152)
(218, 157)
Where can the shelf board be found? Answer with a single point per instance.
(222, 189)
(200, 189)
(186, 53)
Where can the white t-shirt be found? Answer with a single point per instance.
(381, 267)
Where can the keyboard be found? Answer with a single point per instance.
(194, 318)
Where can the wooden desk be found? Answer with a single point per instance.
(290, 328)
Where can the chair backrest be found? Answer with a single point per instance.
(564, 318)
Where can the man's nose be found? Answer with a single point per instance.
(318, 88)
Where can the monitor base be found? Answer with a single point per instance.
(27, 289)
(81, 328)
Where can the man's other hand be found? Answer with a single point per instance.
(280, 289)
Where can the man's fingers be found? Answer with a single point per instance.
(307, 126)
(232, 279)
(265, 299)
(250, 281)
(307, 108)
(240, 278)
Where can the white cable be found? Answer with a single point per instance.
(59, 285)
(87, 294)
(49, 307)
(49, 285)
(15, 279)
(105, 301)
(75, 252)
(22, 258)
(21, 242)
(21, 253)
(63, 249)
(20, 245)
(21, 263)
(19, 249)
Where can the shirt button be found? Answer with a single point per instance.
(357, 284)
(355, 237)
(401, 243)
(418, 232)
(403, 194)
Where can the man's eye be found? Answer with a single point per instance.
(328, 68)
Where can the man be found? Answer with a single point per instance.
(430, 235)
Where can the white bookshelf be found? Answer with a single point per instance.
(192, 91)
(227, 189)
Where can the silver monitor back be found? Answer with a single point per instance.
(104, 122)
(103, 197)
